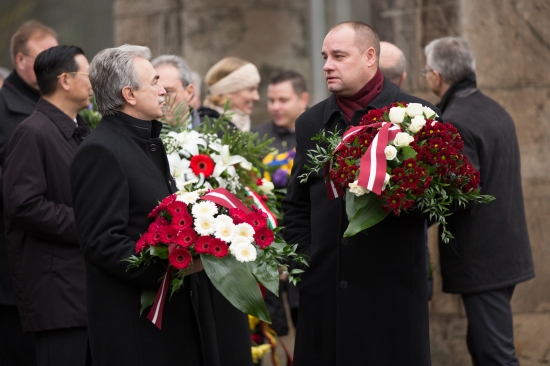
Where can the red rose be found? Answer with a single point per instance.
(219, 248)
(180, 258)
(202, 164)
(182, 220)
(204, 245)
(263, 237)
(186, 237)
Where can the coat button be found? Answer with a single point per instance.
(344, 241)
(343, 285)
(153, 147)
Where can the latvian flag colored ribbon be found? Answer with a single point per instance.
(372, 168)
(155, 315)
(223, 197)
(271, 220)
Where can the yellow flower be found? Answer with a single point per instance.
(259, 351)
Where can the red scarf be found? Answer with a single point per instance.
(363, 97)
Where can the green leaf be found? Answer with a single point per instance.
(147, 299)
(160, 251)
(355, 203)
(237, 284)
(408, 152)
(267, 275)
(365, 217)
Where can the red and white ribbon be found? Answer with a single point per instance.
(155, 314)
(224, 198)
(271, 219)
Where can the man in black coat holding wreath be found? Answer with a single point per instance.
(118, 176)
(363, 299)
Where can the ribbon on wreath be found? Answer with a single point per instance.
(224, 198)
(155, 314)
(271, 219)
(372, 167)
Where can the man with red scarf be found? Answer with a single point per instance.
(363, 299)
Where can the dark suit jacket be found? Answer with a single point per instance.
(491, 248)
(15, 106)
(285, 139)
(118, 175)
(363, 299)
(46, 264)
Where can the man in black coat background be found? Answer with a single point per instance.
(363, 299)
(46, 264)
(118, 176)
(18, 98)
(490, 252)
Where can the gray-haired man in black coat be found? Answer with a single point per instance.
(490, 252)
(363, 299)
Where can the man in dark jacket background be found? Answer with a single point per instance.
(18, 98)
(46, 264)
(490, 252)
(363, 299)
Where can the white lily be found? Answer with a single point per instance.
(225, 161)
(189, 141)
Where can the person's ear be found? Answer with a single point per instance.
(402, 79)
(64, 82)
(190, 90)
(304, 100)
(371, 56)
(19, 61)
(129, 96)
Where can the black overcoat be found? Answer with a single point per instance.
(491, 247)
(46, 263)
(119, 174)
(15, 107)
(363, 299)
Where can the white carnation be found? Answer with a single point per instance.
(245, 230)
(205, 225)
(403, 139)
(414, 109)
(357, 189)
(204, 208)
(390, 152)
(417, 123)
(244, 252)
(397, 114)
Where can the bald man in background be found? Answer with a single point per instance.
(393, 63)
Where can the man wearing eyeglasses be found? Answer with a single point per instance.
(18, 98)
(47, 267)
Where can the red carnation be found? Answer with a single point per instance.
(176, 208)
(179, 258)
(186, 237)
(219, 248)
(168, 234)
(202, 164)
(182, 220)
(238, 216)
(257, 220)
(204, 244)
(264, 237)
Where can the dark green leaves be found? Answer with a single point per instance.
(363, 212)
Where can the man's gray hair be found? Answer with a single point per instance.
(179, 63)
(110, 71)
(451, 57)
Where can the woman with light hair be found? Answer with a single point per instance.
(235, 80)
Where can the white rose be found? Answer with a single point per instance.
(357, 190)
(266, 186)
(391, 152)
(386, 181)
(414, 109)
(417, 123)
(429, 113)
(397, 114)
(403, 139)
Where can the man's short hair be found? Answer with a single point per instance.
(110, 71)
(297, 80)
(26, 31)
(179, 63)
(51, 63)
(395, 71)
(365, 36)
(451, 57)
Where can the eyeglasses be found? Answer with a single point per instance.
(426, 70)
(75, 73)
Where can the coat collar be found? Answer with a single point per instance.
(61, 120)
(135, 127)
(387, 96)
(17, 102)
(468, 82)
